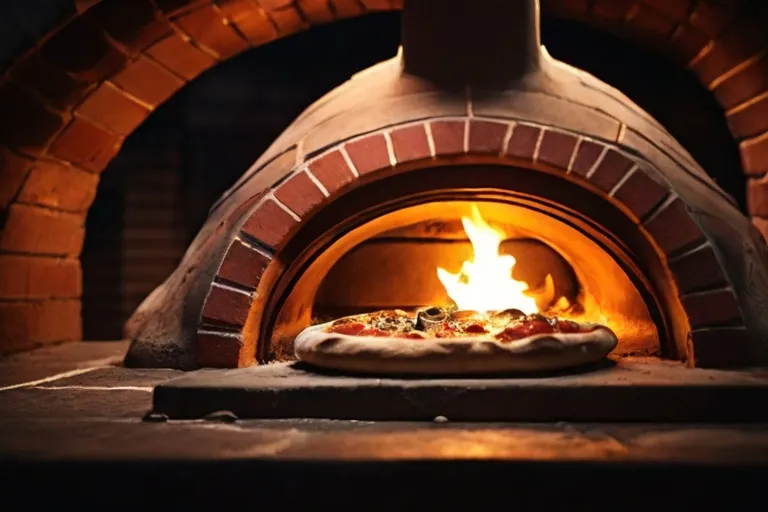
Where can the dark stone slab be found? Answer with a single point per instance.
(66, 402)
(543, 467)
(117, 377)
(626, 391)
(50, 361)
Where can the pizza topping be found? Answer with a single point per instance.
(430, 318)
(351, 328)
(435, 322)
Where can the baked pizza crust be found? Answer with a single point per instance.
(383, 355)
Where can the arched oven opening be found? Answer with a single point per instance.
(579, 256)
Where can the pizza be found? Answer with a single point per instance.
(439, 340)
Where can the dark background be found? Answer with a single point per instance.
(154, 197)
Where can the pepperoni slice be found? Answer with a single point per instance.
(352, 329)
(523, 330)
(475, 329)
(567, 326)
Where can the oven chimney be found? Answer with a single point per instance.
(481, 43)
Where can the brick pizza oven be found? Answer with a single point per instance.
(357, 202)
(80, 79)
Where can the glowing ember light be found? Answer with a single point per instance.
(485, 282)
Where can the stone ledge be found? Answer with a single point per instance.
(629, 390)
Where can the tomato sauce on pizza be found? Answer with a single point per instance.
(435, 322)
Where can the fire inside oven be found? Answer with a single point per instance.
(471, 255)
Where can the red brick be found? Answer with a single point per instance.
(651, 23)
(109, 107)
(85, 144)
(275, 4)
(332, 171)
(757, 196)
(316, 11)
(687, 42)
(27, 324)
(347, 8)
(724, 347)
(640, 193)
(134, 24)
(243, 265)
(754, 155)
(148, 81)
(410, 143)
(207, 27)
(698, 270)
(587, 156)
(676, 9)
(226, 306)
(557, 148)
(81, 49)
(369, 153)
(522, 144)
(377, 5)
(219, 349)
(250, 20)
(612, 168)
(448, 137)
(39, 277)
(26, 125)
(60, 90)
(487, 137)
(299, 193)
(36, 230)
(738, 43)
(287, 21)
(747, 83)
(59, 186)
(673, 228)
(13, 171)
(751, 120)
(269, 224)
(708, 309)
(761, 226)
(712, 18)
(172, 7)
(181, 57)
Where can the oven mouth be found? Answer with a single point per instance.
(281, 323)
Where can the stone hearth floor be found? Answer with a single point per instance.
(71, 417)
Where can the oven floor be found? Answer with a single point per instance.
(70, 426)
(628, 389)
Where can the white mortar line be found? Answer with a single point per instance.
(430, 140)
(466, 135)
(95, 388)
(350, 164)
(390, 149)
(223, 286)
(316, 181)
(537, 147)
(254, 247)
(58, 376)
(624, 179)
(285, 208)
(507, 137)
(575, 154)
(597, 162)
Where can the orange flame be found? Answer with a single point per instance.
(485, 282)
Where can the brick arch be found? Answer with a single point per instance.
(231, 314)
(68, 103)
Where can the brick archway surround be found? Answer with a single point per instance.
(230, 323)
(68, 103)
